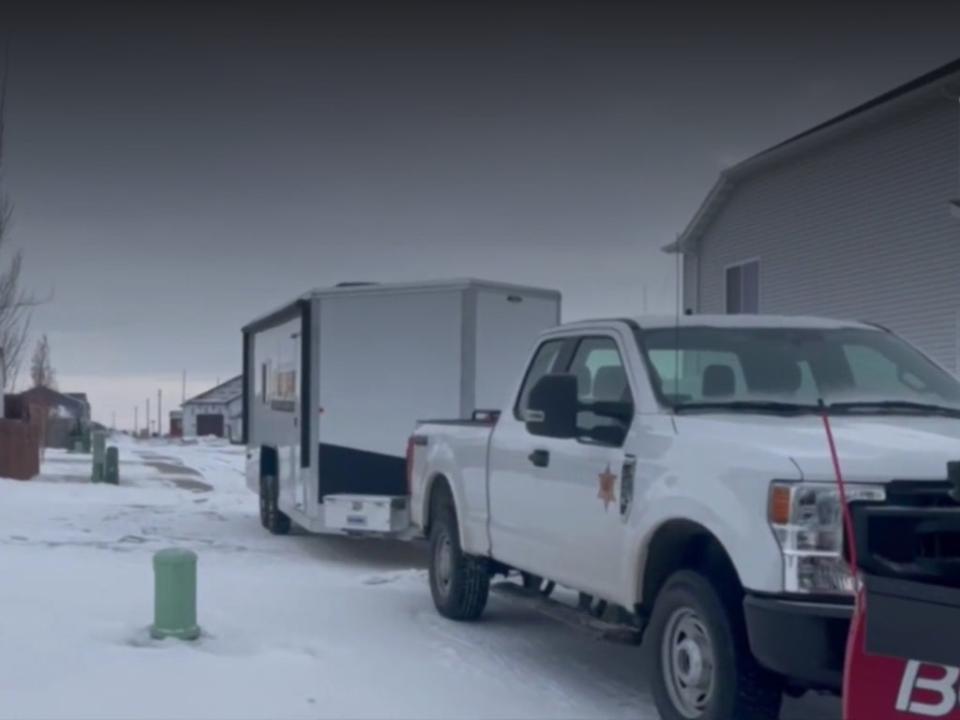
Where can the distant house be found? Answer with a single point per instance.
(858, 217)
(61, 415)
(176, 423)
(81, 397)
(217, 412)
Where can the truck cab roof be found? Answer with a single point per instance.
(651, 322)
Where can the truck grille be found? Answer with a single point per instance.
(915, 531)
(921, 494)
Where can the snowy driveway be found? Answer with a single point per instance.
(297, 626)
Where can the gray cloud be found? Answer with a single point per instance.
(178, 168)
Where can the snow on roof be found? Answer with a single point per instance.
(452, 283)
(749, 321)
(223, 393)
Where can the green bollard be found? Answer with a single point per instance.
(111, 467)
(175, 595)
(99, 452)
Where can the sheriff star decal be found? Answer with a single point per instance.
(606, 492)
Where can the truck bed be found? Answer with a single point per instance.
(456, 450)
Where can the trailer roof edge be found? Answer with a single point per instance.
(291, 309)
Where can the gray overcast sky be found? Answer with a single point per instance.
(178, 168)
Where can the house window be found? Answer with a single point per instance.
(743, 288)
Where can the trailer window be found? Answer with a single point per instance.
(544, 362)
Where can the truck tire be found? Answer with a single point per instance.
(271, 517)
(700, 663)
(459, 583)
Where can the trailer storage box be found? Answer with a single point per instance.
(366, 513)
(336, 381)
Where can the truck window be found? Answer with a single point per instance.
(720, 365)
(870, 367)
(544, 362)
(601, 377)
(688, 385)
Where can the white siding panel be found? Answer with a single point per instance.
(857, 228)
(690, 283)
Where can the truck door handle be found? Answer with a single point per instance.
(540, 458)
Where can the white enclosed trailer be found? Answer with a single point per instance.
(335, 381)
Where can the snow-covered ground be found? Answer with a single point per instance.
(298, 626)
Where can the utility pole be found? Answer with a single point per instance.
(160, 412)
(183, 388)
(113, 420)
(136, 420)
(148, 417)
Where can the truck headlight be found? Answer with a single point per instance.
(808, 523)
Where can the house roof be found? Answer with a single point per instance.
(52, 398)
(926, 84)
(82, 397)
(223, 393)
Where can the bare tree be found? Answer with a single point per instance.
(41, 369)
(15, 302)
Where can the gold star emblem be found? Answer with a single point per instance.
(606, 491)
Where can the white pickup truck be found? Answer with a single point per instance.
(678, 469)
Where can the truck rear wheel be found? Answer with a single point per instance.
(459, 583)
(271, 517)
(701, 665)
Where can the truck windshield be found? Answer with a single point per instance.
(792, 369)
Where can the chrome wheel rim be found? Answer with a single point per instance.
(687, 658)
(443, 561)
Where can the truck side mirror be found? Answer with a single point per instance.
(552, 407)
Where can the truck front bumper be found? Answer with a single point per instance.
(802, 640)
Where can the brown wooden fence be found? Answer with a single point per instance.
(19, 450)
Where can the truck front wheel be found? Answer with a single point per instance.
(700, 663)
(459, 583)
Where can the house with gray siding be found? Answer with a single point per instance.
(858, 217)
(217, 412)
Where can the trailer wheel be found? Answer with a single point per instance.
(264, 503)
(271, 517)
(459, 583)
(701, 664)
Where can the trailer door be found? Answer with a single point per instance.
(299, 484)
(275, 406)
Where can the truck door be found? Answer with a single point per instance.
(555, 503)
(586, 528)
(518, 528)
